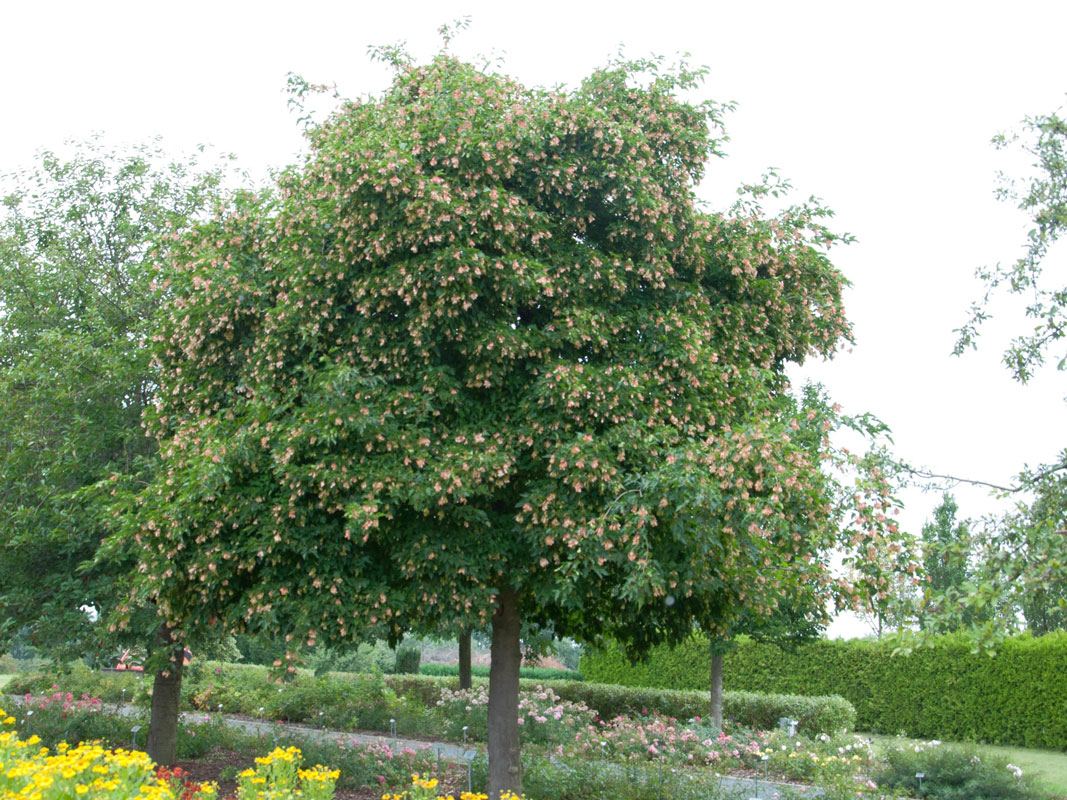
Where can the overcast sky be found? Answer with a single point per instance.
(883, 110)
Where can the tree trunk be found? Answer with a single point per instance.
(162, 744)
(505, 768)
(465, 659)
(716, 690)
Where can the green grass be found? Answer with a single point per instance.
(1049, 767)
(5, 679)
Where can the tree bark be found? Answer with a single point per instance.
(162, 743)
(716, 690)
(465, 659)
(505, 767)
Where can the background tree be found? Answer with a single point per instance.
(78, 237)
(1044, 197)
(1021, 555)
(947, 556)
(1043, 526)
(788, 626)
(483, 360)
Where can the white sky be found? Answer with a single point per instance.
(883, 110)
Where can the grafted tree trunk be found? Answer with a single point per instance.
(162, 744)
(465, 659)
(716, 690)
(505, 767)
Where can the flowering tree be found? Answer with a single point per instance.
(481, 360)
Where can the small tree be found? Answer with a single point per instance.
(484, 361)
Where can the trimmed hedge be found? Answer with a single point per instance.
(369, 701)
(533, 673)
(814, 715)
(1018, 697)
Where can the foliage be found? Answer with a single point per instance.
(599, 780)
(944, 690)
(1022, 554)
(947, 553)
(1021, 560)
(1044, 198)
(262, 650)
(527, 673)
(1037, 538)
(543, 717)
(77, 241)
(373, 657)
(953, 773)
(407, 660)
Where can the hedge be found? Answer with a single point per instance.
(814, 715)
(1017, 697)
(369, 701)
(534, 673)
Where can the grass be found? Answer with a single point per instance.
(5, 679)
(1049, 767)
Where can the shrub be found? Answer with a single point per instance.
(814, 715)
(599, 780)
(953, 773)
(407, 660)
(543, 717)
(108, 686)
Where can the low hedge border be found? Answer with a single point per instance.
(533, 673)
(814, 715)
(372, 699)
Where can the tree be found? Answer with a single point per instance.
(787, 627)
(1020, 555)
(482, 360)
(1020, 565)
(77, 240)
(1042, 525)
(1044, 198)
(947, 553)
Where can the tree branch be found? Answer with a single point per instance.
(1022, 486)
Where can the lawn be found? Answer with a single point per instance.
(5, 679)
(1049, 767)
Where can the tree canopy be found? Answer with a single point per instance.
(483, 357)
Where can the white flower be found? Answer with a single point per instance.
(1014, 770)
